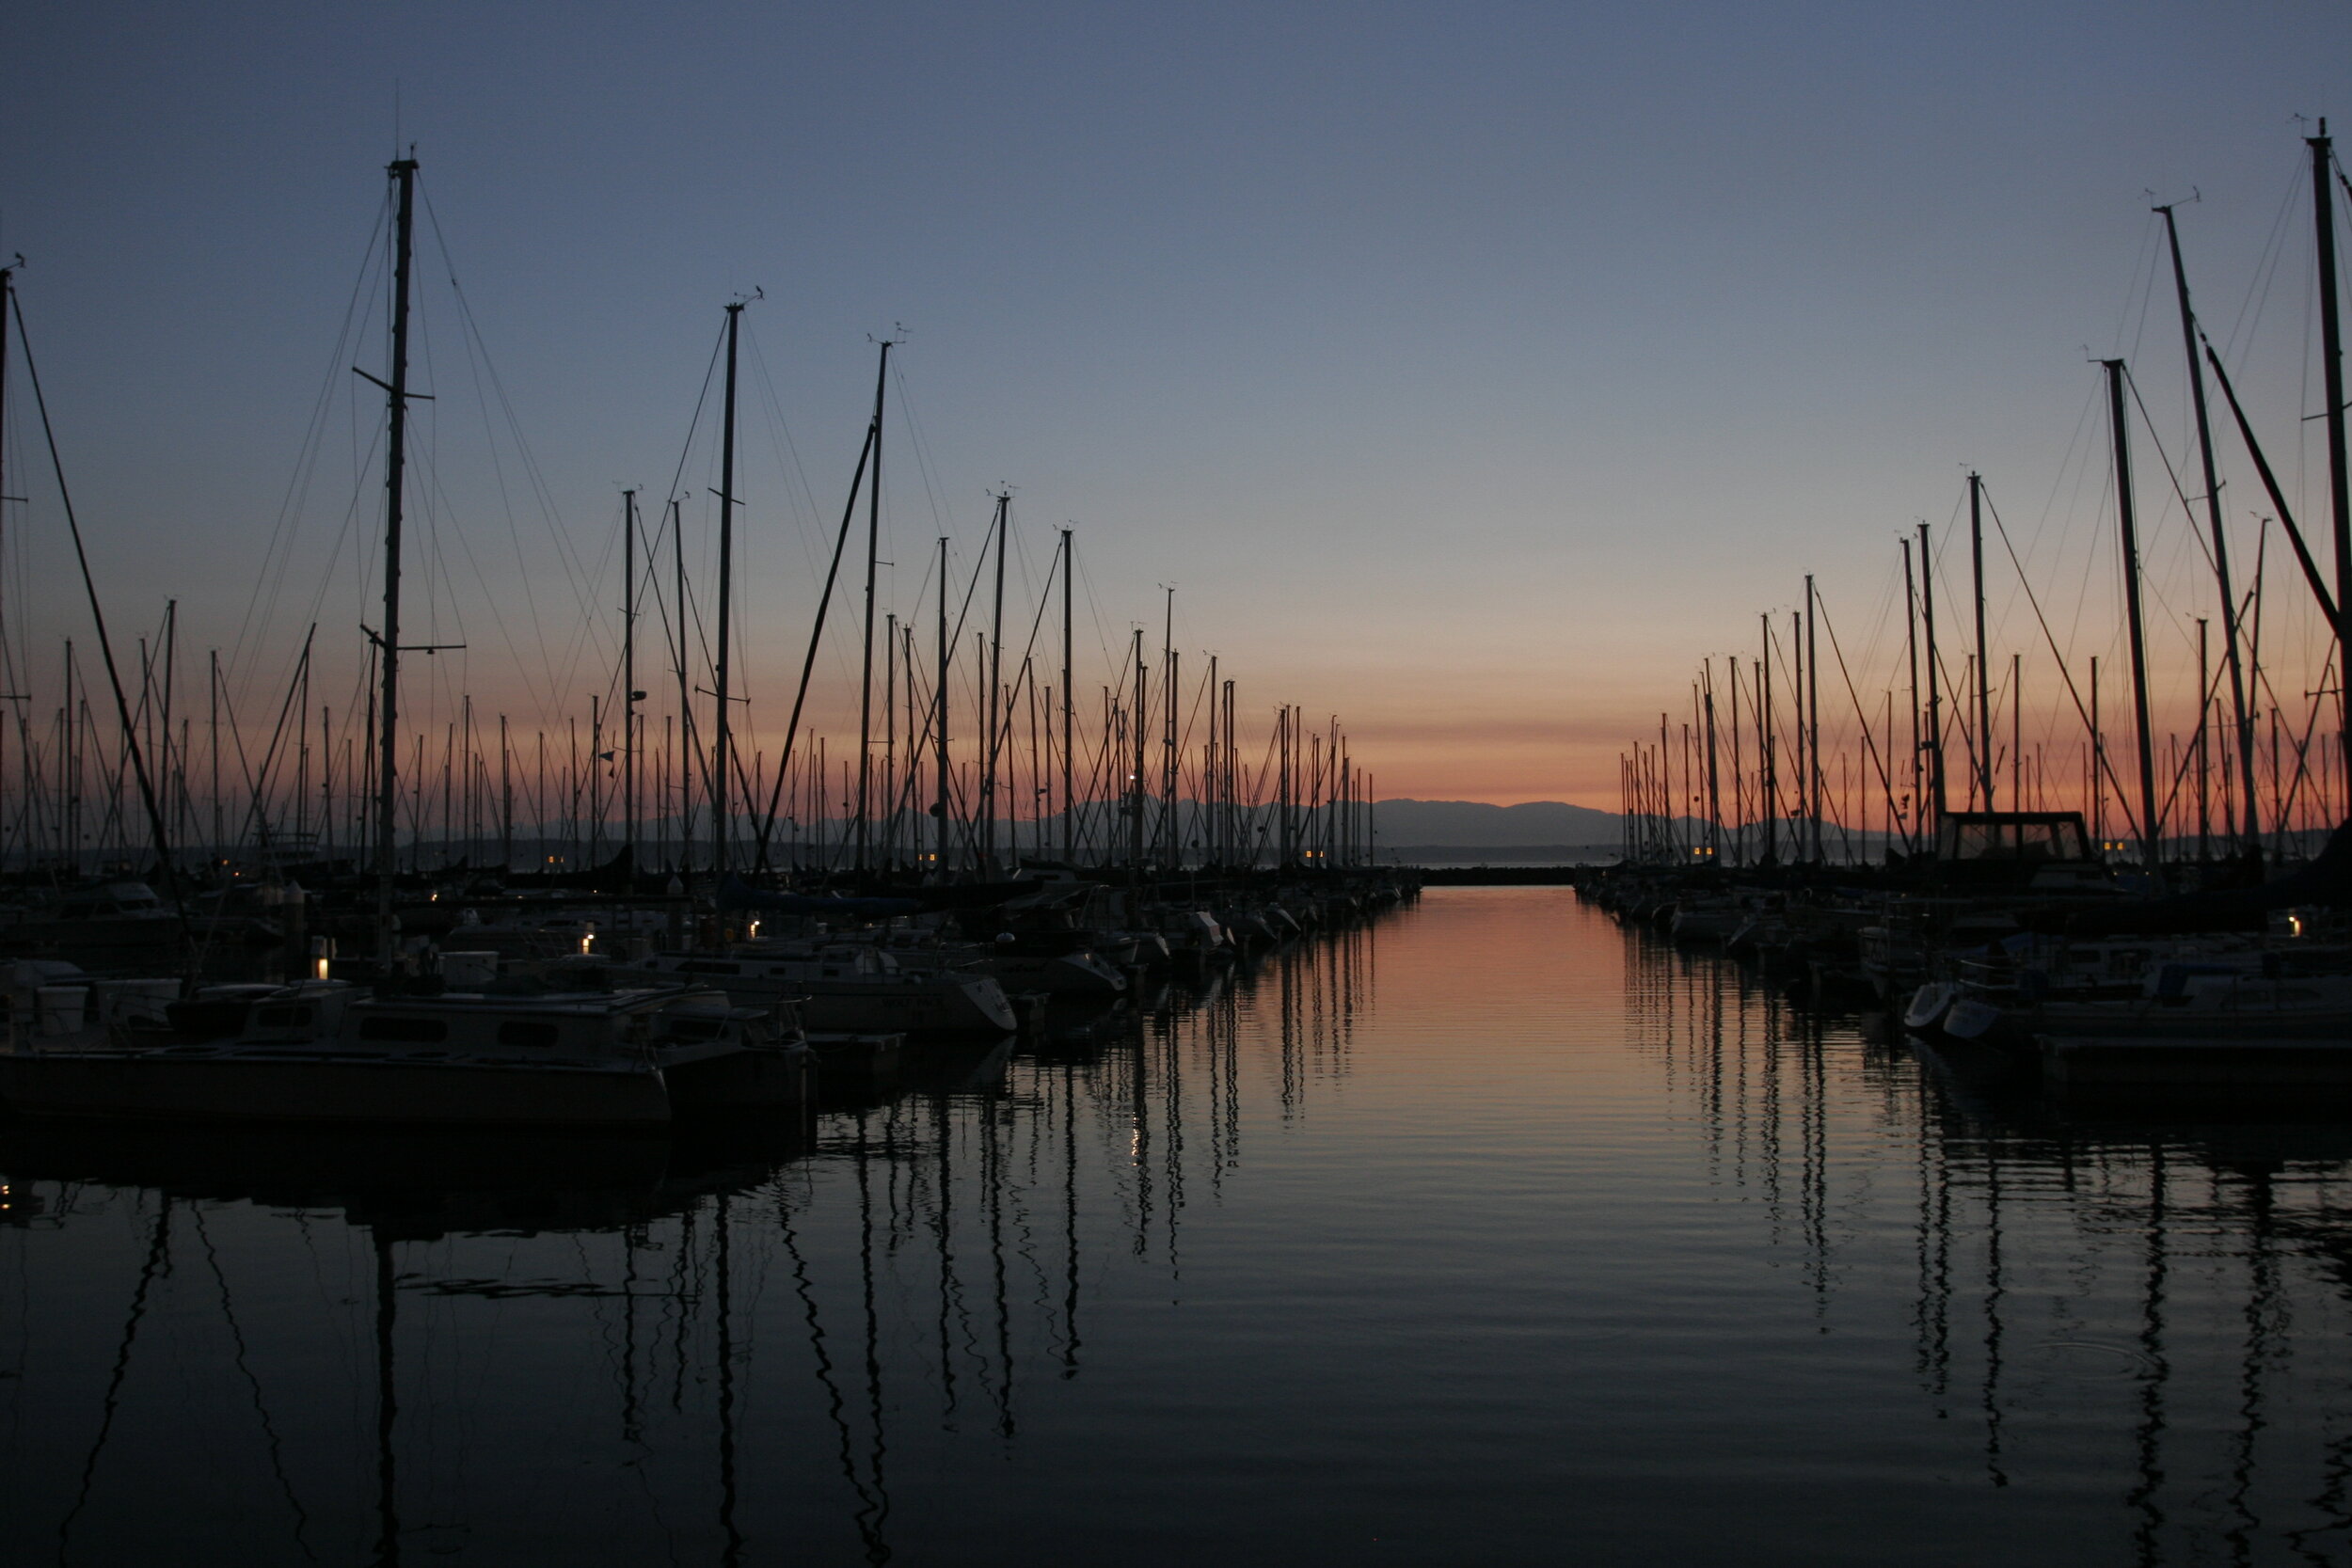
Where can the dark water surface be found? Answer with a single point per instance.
(1490, 1233)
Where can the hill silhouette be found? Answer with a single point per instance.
(1475, 824)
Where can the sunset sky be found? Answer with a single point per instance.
(1471, 371)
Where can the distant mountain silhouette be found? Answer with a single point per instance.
(1474, 824)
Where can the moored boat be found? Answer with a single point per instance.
(322, 1051)
(845, 988)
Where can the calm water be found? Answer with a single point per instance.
(1490, 1233)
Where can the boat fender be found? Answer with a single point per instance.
(1927, 1004)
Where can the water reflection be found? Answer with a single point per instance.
(386, 1347)
(2097, 1296)
(1485, 1230)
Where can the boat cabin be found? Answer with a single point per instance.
(2013, 835)
(112, 901)
(2044, 852)
(778, 961)
(588, 1024)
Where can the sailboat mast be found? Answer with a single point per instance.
(1813, 709)
(1239, 847)
(2149, 838)
(1714, 782)
(685, 694)
(404, 173)
(8, 291)
(1981, 749)
(1137, 791)
(1208, 799)
(2241, 719)
(873, 553)
(1283, 796)
(890, 737)
(1911, 657)
(1171, 841)
(506, 801)
(993, 731)
(1738, 767)
(213, 692)
(2331, 370)
(723, 727)
(2205, 726)
(171, 661)
(1069, 806)
(1936, 783)
(2017, 732)
(630, 696)
(939, 719)
(1769, 756)
(2098, 764)
(25, 753)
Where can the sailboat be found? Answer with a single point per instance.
(325, 1050)
(840, 987)
(414, 1048)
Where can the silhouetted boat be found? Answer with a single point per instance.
(321, 1051)
(848, 986)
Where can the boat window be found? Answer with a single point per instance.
(2014, 836)
(282, 1018)
(417, 1030)
(706, 966)
(523, 1032)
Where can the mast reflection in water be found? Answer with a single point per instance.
(1488, 1229)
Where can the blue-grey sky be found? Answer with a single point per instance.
(1470, 371)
